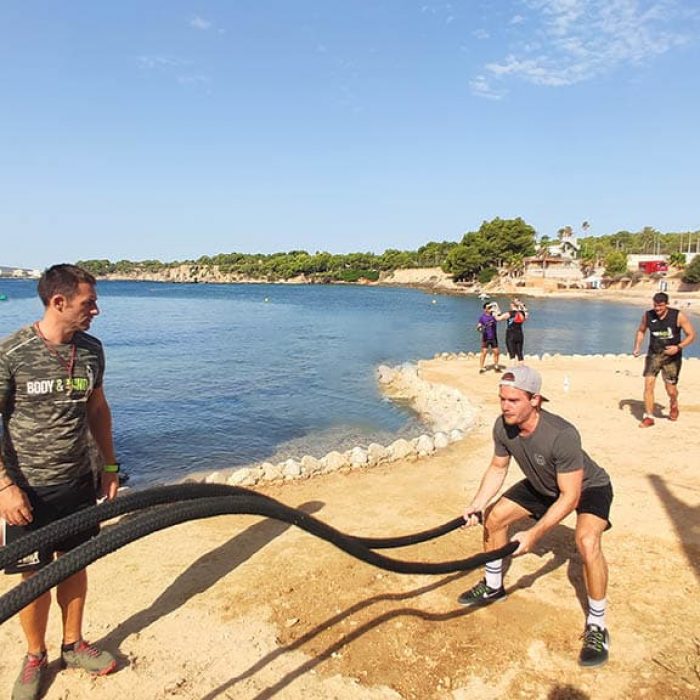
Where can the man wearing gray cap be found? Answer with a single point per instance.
(559, 478)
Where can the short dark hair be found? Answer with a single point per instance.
(660, 298)
(62, 279)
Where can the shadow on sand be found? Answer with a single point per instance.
(202, 575)
(560, 541)
(566, 692)
(636, 408)
(684, 517)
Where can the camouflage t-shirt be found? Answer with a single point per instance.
(44, 409)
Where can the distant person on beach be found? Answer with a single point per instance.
(559, 478)
(51, 396)
(665, 353)
(515, 318)
(489, 338)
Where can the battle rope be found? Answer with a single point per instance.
(87, 518)
(238, 502)
(139, 500)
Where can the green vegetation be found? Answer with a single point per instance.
(320, 266)
(500, 244)
(615, 264)
(692, 272)
(496, 244)
(677, 260)
(648, 241)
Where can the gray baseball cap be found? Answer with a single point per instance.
(523, 378)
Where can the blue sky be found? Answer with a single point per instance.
(174, 129)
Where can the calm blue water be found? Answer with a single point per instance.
(202, 377)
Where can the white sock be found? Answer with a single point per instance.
(494, 573)
(596, 612)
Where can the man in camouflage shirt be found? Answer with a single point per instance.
(51, 399)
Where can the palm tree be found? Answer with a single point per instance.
(542, 252)
(515, 265)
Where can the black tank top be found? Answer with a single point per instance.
(663, 331)
(512, 326)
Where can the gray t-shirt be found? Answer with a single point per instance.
(44, 407)
(553, 448)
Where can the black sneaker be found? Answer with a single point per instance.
(596, 642)
(481, 595)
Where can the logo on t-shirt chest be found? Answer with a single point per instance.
(540, 461)
(43, 387)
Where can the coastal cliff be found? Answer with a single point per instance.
(191, 273)
(434, 280)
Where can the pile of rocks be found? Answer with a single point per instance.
(448, 413)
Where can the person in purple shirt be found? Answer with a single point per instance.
(489, 339)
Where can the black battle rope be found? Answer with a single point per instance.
(164, 517)
(89, 517)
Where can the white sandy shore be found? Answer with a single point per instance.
(684, 296)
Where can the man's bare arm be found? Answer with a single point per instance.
(491, 483)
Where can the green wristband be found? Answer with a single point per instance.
(111, 468)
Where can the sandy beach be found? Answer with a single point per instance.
(242, 607)
(638, 292)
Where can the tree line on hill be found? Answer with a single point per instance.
(497, 244)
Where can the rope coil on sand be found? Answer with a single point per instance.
(178, 504)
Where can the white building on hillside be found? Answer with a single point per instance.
(566, 247)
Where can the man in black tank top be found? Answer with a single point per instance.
(665, 354)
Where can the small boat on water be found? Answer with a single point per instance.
(483, 296)
(3, 297)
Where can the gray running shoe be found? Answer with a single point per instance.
(596, 643)
(28, 683)
(89, 658)
(481, 595)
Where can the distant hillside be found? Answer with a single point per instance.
(18, 272)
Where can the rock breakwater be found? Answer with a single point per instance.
(447, 412)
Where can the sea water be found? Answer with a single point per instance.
(204, 377)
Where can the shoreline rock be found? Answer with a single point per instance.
(448, 413)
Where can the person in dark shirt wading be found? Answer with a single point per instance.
(51, 398)
(560, 478)
(665, 353)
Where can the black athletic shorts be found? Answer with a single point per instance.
(51, 503)
(595, 501)
(489, 343)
